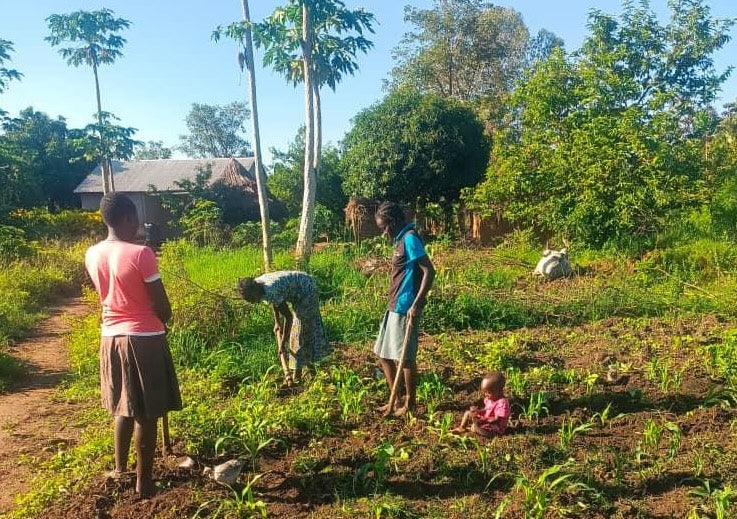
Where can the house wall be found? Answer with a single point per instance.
(148, 207)
(90, 201)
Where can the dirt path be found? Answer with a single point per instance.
(32, 426)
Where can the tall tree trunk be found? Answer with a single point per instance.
(304, 241)
(263, 200)
(318, 126)
(107, 180)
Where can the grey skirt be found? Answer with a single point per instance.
(391, 336)
(137, 377)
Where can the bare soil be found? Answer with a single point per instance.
(441, 478)
(34, 424)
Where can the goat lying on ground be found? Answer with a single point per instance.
(554, 264)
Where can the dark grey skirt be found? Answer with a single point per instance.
(391, 336)
(137, 377)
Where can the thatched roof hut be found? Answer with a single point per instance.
(360, 218)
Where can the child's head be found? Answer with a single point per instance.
(119, 213)
(493, 383)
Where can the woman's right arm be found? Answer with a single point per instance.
(286, 313)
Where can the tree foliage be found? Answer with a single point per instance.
(605, 143)
(412, 147)
(115, 141)
(334, 50)
(216, 131)
(464, 49)
(310, 41)
(6, 74)
(41, 160)
(93, 35)
(721, 172)
(152, 150)
(91, 38)
(287, 184)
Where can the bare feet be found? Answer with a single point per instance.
(458, 430)
(401, 411)
(117, 475)
(385, 408)
(146, 490)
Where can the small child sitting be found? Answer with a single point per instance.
(492, 419)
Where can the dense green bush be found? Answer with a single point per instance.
(13, 243)
(606, 144)
(68, 225)
(202, 223)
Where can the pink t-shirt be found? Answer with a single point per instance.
(494, 408)
(119, 271)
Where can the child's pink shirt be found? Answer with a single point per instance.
(119, 271)
(494, 408)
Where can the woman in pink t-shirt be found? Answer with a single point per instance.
(137, 378)
(492, 419)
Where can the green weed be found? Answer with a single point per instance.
(569, 430)
(542, 495)
(433, 391)
(239, 504)
(536, 406)
(720, 500)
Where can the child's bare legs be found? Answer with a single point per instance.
(476, 429)
(145, 435)
(467, 417)
(389, 368)
(410, 374)
(123, 432)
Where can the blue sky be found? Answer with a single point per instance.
(170, 63)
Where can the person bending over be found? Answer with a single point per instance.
(299, 331)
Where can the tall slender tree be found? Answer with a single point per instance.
(241, 33)
(309, 41)
(93, 40)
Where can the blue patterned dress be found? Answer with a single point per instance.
(307, 341)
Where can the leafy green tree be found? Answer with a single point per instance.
(152, 150)
(286, 180)
(721, 172)
(542, 45)
(464, 49)
(308, 41)
(41, 160)
(93, 41)
(605, 144)
(6, 74)
(216, 131)
(115, 141)
(414, 148)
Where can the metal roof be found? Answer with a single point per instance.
(139, 175)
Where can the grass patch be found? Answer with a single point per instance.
(29, 286)
(486, 312)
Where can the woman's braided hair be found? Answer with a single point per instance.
(392, 213)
